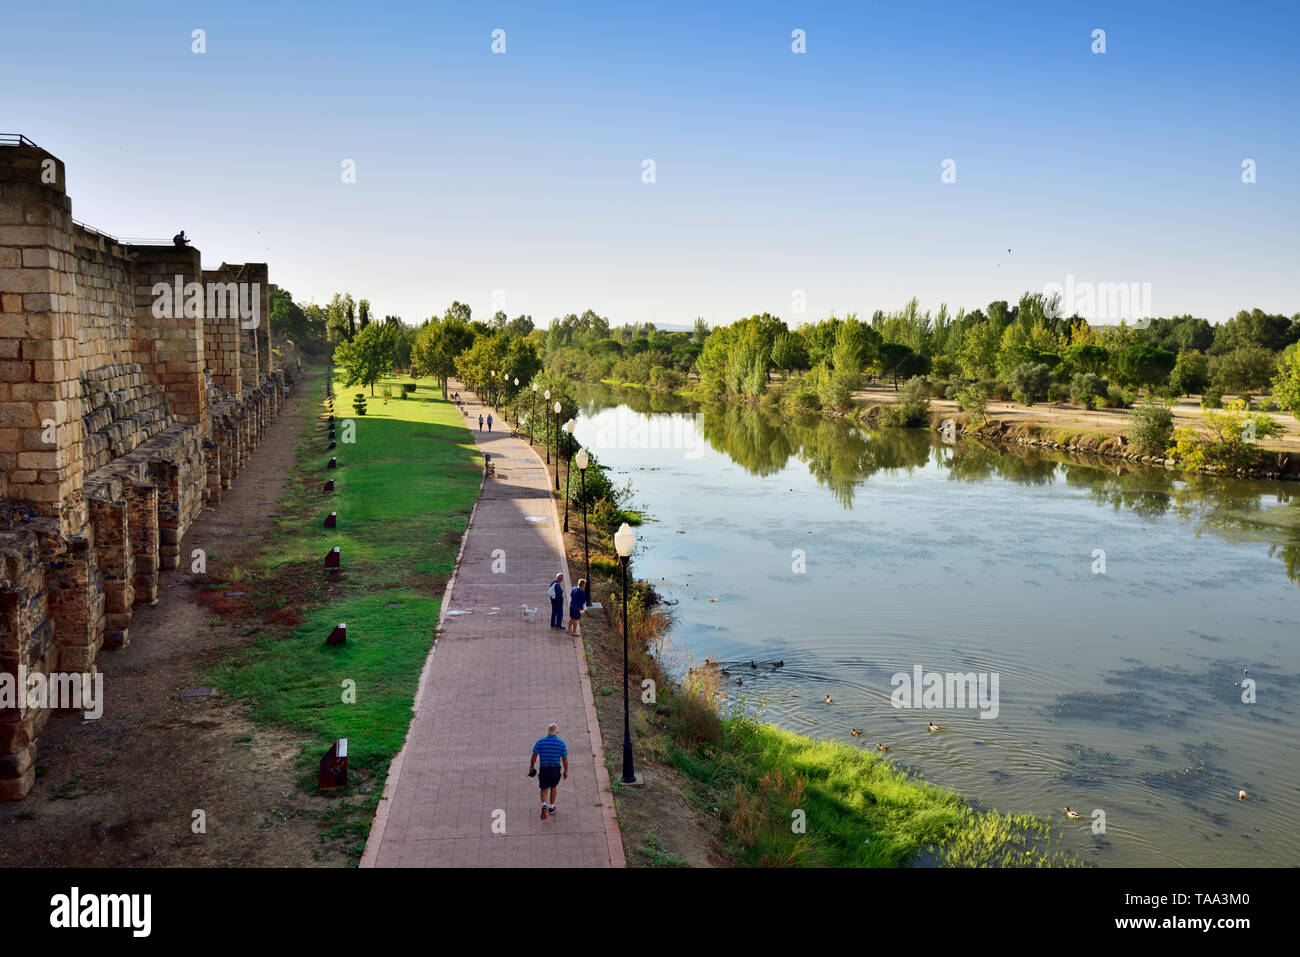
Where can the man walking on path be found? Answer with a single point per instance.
(489, 421)
(556, 591)
(555, 764)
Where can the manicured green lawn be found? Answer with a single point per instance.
(403, 493)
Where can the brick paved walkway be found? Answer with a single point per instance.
(492, 683)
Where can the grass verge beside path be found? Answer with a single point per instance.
(403, 493)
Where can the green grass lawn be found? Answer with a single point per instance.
(403, 493)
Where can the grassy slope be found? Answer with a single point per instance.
(403, 493)
(859, 809)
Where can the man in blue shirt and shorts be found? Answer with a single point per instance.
(555, 764)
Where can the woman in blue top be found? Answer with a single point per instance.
(577, 602)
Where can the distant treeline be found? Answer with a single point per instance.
(1025, 350)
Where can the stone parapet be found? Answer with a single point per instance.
(133, 388)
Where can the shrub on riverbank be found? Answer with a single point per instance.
(1229, 442)
(912, 408)
(1152, 427)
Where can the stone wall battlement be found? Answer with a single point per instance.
(121, 418)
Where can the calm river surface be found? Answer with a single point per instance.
(1117, 692)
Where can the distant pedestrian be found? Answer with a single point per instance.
(555, 765)
(489, 421)
(480, 421)
(556, 593)
(577, 602)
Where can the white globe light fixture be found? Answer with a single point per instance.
(624, 540)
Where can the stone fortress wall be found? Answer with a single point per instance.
(117, 427)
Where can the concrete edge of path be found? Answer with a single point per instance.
(376, 835)
(613, 836)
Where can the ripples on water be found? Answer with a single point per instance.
(1116, 689)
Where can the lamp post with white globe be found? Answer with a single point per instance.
(532, 411)
(568, 472)
(557, 444)
(582, 460)
(546, 431)
(624, 542)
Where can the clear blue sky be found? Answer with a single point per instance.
(775, 171)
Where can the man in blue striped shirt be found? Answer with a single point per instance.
(555, 764)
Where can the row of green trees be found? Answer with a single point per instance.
(1027, 349)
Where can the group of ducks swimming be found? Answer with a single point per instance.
(933, 729)
(754, 667)
(930, 727)
(880, 746)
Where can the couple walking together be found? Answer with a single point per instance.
(577, 602)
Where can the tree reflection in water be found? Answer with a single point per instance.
(842, 457)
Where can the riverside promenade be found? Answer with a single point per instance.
(458, 794)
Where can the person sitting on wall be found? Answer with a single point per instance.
(180, 239)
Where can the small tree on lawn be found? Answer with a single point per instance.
(368, 357)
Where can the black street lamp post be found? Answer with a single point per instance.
(624, 541)
(557, 445)
(532, 411)
(546, 425)
(568, 472)
(583, 460)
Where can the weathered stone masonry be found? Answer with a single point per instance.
(116, 429)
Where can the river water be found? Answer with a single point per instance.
(1124, 613)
